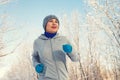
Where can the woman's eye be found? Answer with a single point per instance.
(56, 21)
(50, 21)
(53, 21)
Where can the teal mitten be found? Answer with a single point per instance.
(67, 48)
(39, 68)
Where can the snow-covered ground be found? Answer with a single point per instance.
(6, 63)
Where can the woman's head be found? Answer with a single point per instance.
(51, 24)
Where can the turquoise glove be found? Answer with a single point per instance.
(67, 48)
(39, 68)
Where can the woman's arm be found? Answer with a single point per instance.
(39, 67)
(35, 56)
(70, 50)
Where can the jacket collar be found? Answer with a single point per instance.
(49, 35)
(42, 36)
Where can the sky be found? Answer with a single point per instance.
(28, 15)
(32, 12)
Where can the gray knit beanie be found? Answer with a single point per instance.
(47, 18)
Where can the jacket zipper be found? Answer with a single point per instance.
(55, 59)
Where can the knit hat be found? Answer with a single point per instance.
(47, 18)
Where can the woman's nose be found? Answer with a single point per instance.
(54, 22)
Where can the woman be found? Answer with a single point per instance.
(50, 50)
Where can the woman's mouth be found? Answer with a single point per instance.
(54, 27)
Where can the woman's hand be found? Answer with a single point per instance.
(39, 68)
(67, 48)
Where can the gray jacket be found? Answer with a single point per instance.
(49, 52)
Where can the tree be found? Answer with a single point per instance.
(105, 14)
(4, 29)
(3, 2)
(22, 69)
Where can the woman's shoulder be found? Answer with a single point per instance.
(38, 38)
(62, 37)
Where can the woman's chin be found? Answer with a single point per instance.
(53, 31)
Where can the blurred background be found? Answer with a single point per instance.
(93, 26)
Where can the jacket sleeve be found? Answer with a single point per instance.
(35, 55)
(74, 54)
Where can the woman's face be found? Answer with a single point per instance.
(52, 26)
